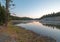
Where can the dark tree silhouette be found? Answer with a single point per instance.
(51, 15)
(2, 14)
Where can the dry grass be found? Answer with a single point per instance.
(19, 34)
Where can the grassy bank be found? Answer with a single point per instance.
(18, 34)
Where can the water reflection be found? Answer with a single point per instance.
(42, 29)
(21, 21)
(52, 25)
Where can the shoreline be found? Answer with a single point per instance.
(46, 38)
(49, 39)
(38, 37)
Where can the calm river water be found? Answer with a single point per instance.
(42, 29)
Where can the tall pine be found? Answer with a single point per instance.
(2, 15)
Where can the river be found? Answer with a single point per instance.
(52, 31)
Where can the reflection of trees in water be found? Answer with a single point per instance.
(51, 25)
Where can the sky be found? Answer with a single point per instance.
(35, 8)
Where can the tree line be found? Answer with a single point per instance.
(19, 18)
(50, 15)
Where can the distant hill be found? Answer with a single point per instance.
(20, 18)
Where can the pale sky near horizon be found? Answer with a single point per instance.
(35, 8)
